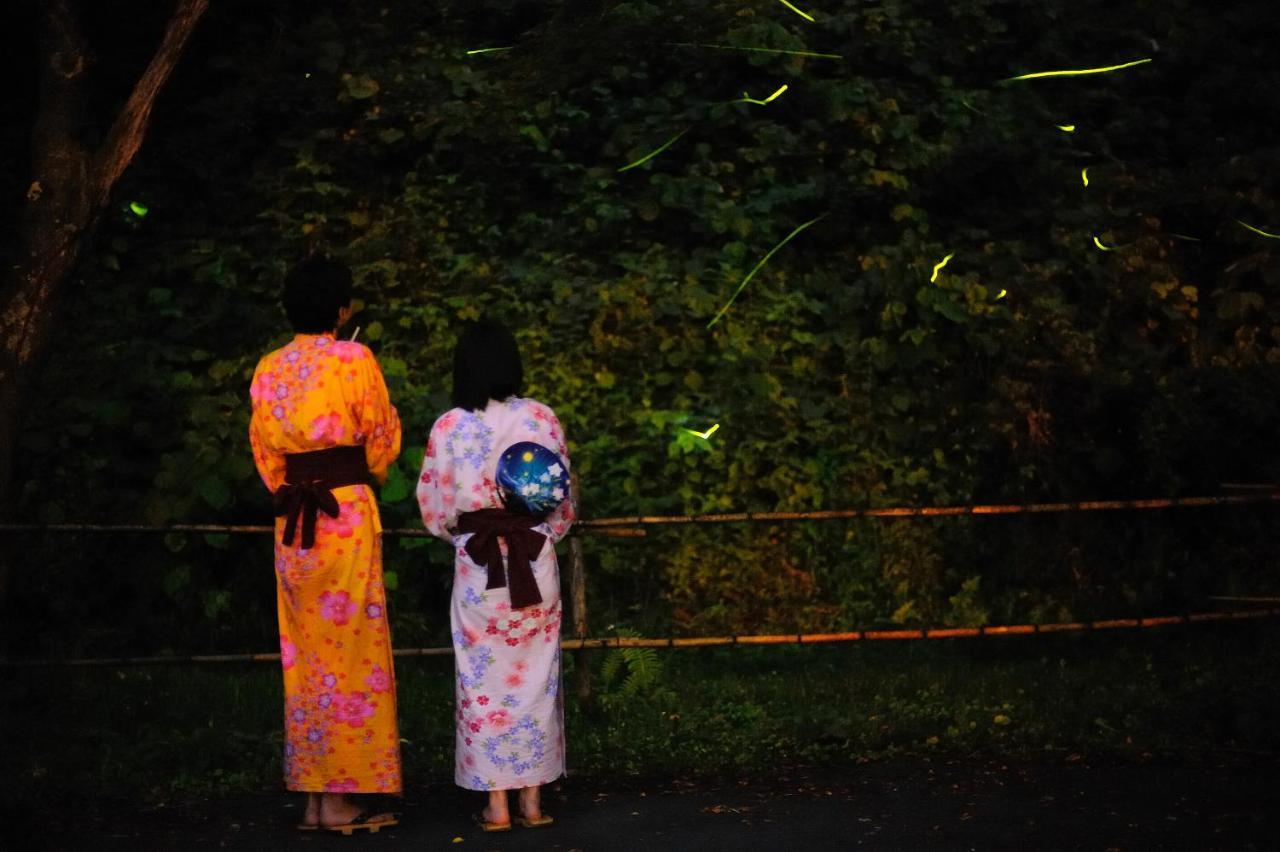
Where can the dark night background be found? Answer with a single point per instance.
(841, 376)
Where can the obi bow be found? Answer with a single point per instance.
(304, 499)
(487, 526)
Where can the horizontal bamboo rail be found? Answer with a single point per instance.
(613, 642)
(631, 526)
(259, 529)
(940, 511)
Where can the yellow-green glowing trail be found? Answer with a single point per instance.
(1259, 231)
(704, 435)
(1078, 72)
(487, 50)
(139, 209)
(757, 267)
(1066, 128)
(937, 267)
(647, 157)
(747, 99)
(1084, 175)
(1097, 242)
(808, 53)
(804, 15)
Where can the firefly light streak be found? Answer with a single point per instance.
(937, 267)
(706, 436)
(808, 53)
(1003, 293)
(1077, 72)
(487, 50)
(758, 266)
(1084, 175)
(747, 99)
(804, 15)
(1259, 231)
(1066, 128)
(139, 209)
(647, 157)
(1097, 242)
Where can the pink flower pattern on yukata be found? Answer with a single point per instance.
(340, 732)
(327, 428)
(348, 521)
(338, 607)
(509, 731)
(379, 680)
(352, 709)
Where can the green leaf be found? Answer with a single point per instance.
(176, 580)
(214, 490)
(397, 487)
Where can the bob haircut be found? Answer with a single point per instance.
(486, 365)
(315, 291)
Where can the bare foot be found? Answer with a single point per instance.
(336, 809)
(312, 814)
(531, 802)
(496, 812)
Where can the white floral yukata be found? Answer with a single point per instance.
(510, 721)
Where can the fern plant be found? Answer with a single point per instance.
(628, 674)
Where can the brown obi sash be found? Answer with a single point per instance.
(309, 480)
(523, 547)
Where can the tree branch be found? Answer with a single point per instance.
(126, 134)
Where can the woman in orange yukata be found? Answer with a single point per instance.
(323, 431)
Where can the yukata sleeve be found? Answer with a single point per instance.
(376, 418)
(269, 462)
(563, 516)
(435, 495)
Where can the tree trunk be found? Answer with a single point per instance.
(70, 185)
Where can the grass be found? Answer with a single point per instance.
(165, 732)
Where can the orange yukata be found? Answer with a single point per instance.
(335, 646)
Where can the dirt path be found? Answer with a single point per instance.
(911, 803)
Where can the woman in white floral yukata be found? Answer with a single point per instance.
(505, 619)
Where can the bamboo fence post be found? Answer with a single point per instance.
(578, 599)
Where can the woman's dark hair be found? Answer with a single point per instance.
(314, 291)
(486, 365)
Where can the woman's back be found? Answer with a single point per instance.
(459, 473)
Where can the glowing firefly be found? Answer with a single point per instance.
(747, 99)
(1259, 231)
(139, 209)
(804, 15)
(704, 435)
(757, 268)
(808, 53)
(1097, 242)
(647, 157)
(1185, 237)
(937, 267)
(1084, 175)
(487, 50)
(1078, 72)
(1066, 128)
(1002, 294)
